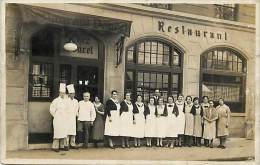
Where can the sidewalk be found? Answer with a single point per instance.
(238, 149)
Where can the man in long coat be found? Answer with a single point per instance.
(58, 109)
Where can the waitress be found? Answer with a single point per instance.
(204, 106)
(197, 112)
(139, 121)
(99, 123)
(112, 124)
(179, 106)
(161, 113)
(189, 121)
(126, 115)
(150, 122)
(171, 123)
(210, 116)
(223, 122)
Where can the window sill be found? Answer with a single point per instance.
(238, 114)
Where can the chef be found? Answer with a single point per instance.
(58, 109)
(72, 112)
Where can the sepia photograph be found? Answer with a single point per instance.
(129, 83)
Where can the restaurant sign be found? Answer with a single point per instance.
(87, 47)
(191, 32)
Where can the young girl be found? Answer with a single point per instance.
(197, 112)
(139, 121)
(161, 113)
(189, 121)
(126, 115)
(150, 122)
(171, 123)
(179, 106)
(210, 116)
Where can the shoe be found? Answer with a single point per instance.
(128, 146)
(223, 147)
(74, 147)
(219, 146)
(211, 145)
(123, 146)
(111, 147)
(56, 150)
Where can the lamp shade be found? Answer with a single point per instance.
(70, 46)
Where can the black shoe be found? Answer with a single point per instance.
(112, 147)
(223, 147)
(56, 150)
(66, 148)
(219, 146)
(74, 147)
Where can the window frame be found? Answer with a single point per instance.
(242, 75)
(170, 69)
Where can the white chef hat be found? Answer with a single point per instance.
(62, 87)
(71, 88)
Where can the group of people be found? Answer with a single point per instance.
(178, 121)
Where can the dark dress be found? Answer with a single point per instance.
(99, 124)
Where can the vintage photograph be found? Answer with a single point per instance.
(123, 82)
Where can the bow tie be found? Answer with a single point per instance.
(170, 105)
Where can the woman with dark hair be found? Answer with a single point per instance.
(126, 115)
(161, 114)
(210, 116)
(197, 112)
(112, 124)
(179, 106)
(99, 123)
(171, 123)
(189, 121)
(150, 122)
(139, 121)
(223, 122)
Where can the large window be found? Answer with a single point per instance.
(223, 75)
(153, 64)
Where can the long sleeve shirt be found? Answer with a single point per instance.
(86, 111)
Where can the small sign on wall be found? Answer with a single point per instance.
(87, 47)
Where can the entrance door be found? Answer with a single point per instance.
(87, 81)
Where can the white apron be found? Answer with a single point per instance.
(150, 123)
(113, 128)
(58, 110)
(139, 126)
(171, 124)
(126, 124)
(73, 107)
(189, 120)
(197, 132)
(161, 123)
(180, 119)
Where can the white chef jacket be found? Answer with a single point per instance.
(58, 110)
(72, 112)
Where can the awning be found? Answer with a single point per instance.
(78, 20)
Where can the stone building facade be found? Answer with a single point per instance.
(138, 48)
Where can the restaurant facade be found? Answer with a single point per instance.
(126, 47)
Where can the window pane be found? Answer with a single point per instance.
(146, 77)
(153, 58)
(153, 77)
(240, 67)
(160, 59)
(130, 56)
(65, 74)
(160, 48)
(42, 80)
(140, 76)
(141, 47)
(166, 60)
(129, 76)
(140, 57)
(154, 47)
(147, 58)
(148, 46)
